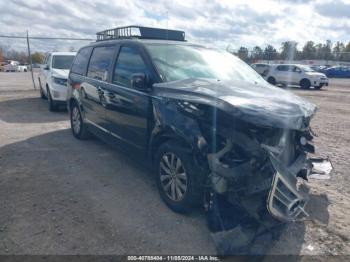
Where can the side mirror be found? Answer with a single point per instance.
(46, 67)
(139, 82)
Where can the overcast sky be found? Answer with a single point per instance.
(213, 22)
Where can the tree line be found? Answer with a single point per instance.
(289, 51)
(6, 53)
(21, 56)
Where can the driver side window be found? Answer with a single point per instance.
(129, 62)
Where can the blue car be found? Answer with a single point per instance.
(338, 71)
(319, 68)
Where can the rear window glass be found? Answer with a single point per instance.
(100, 62)
(81, 60)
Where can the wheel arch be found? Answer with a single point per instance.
(162, 137)
(304, 79)
(73, 100)
(184, 129)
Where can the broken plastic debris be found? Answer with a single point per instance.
(310, 247)
(322, 168)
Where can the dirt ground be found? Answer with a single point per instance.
(59, 195)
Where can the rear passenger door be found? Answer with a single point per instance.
(92, 90)
(128, 108)
(282, 73)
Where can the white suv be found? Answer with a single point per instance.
(300, 75)
(53, 78)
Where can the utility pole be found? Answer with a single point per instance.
(30, 61)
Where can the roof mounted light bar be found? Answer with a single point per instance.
(140, 32)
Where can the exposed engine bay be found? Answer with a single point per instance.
(254, 176)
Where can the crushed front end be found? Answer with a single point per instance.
(256, 182)
(253, 139)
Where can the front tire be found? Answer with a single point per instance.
(271, 80)
(178, 178)
(78, 127)
(305, 83)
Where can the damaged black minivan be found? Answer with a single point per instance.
(217, 133)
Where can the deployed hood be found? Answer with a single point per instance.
(61, 73)
(261, 104)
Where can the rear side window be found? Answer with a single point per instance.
(129, 62)
(100, 61)
(282, 68)
(81, 60)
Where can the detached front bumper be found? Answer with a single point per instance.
(274, 186)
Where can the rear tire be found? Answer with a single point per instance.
(305, 83)
(78, 127)
(178, 178)
(271, 80)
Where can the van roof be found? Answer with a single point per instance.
(141, 42)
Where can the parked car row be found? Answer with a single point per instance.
(327, 71)
(13, 66)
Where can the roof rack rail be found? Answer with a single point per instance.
(140, 32)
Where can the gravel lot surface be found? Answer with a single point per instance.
(59, 195)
